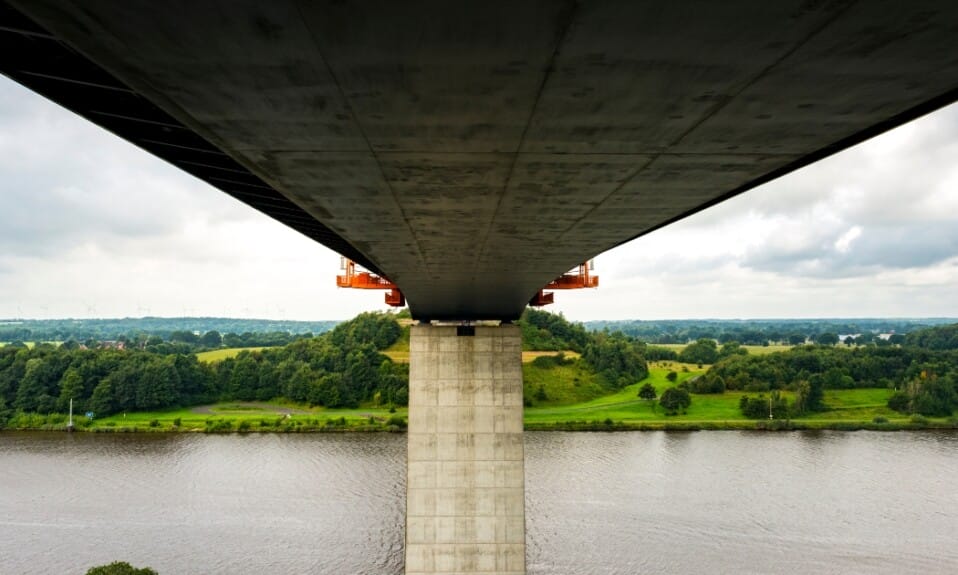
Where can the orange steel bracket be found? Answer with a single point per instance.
(367, 280)
(579, 279)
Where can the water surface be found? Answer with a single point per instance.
(603, 503)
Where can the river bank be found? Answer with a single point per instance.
(270, 418)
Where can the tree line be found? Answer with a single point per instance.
(338, 369)
(81, 330)
(923, 373)
(341, 368)
(761, 332)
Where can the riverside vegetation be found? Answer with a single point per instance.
(355, 377)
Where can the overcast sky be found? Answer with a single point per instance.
(91, 226)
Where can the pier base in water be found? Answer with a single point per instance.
(465, 479)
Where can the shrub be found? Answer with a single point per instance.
(243, 426)
(758, 407)
(899, 401)
(919, 419)
(707, 384)
(177, 422)
(120, 568)
(154, 423)
(397, 420)
(672, 376)
(219, 425)
(545, 362)
(541, 394)
(674, 400)
(880, 419)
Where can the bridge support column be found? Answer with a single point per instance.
(465, 480)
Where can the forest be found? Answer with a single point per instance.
(923, 372)
(762, 331)
(340, 368)
(129, 329)
(346, 367)
(343, 367)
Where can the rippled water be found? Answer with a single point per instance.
(609, 503)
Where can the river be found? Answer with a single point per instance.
(596, 503)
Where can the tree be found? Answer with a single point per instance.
(933, 395)
(184, 336)
(211, 338)
(102, 402)
(34, 393)
(900, 402)
(815, 400)
(796, 339)
(672, 376)
(71, 387)
(120, 568)
(702, 351)
(647, 392)
(733, 348)
(675, 399)
(617, 358)
(760, 407)
(827, 338)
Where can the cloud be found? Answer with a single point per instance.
(91, 225)
(870, 231)
(67, 182)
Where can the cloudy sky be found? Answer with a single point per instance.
(92, 226)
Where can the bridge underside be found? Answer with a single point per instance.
(473, 151)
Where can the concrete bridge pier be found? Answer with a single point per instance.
(465, 482)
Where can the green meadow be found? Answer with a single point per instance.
(625, 410)
(249, 417)
(571, 398)
(225, 353)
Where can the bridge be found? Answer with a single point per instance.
(471, 152)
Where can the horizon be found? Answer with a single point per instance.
(687, 319)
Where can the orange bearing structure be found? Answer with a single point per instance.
(579, 279)
(367, 280)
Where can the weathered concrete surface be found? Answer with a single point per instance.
(465, 484)
(473, 151)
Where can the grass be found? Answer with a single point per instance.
(30, 344)
(752, 349)
(572, 383)
(400, 355)
(258, 416)
(575, 400)
(856, 408)
(225, 353)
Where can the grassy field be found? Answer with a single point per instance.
(30, 344)
(625, 409)
(225, 353)
(753, 349)
(249, 416)
(566, 384)
(402, 356)
(574, 399)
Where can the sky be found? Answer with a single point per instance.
(91, 226)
